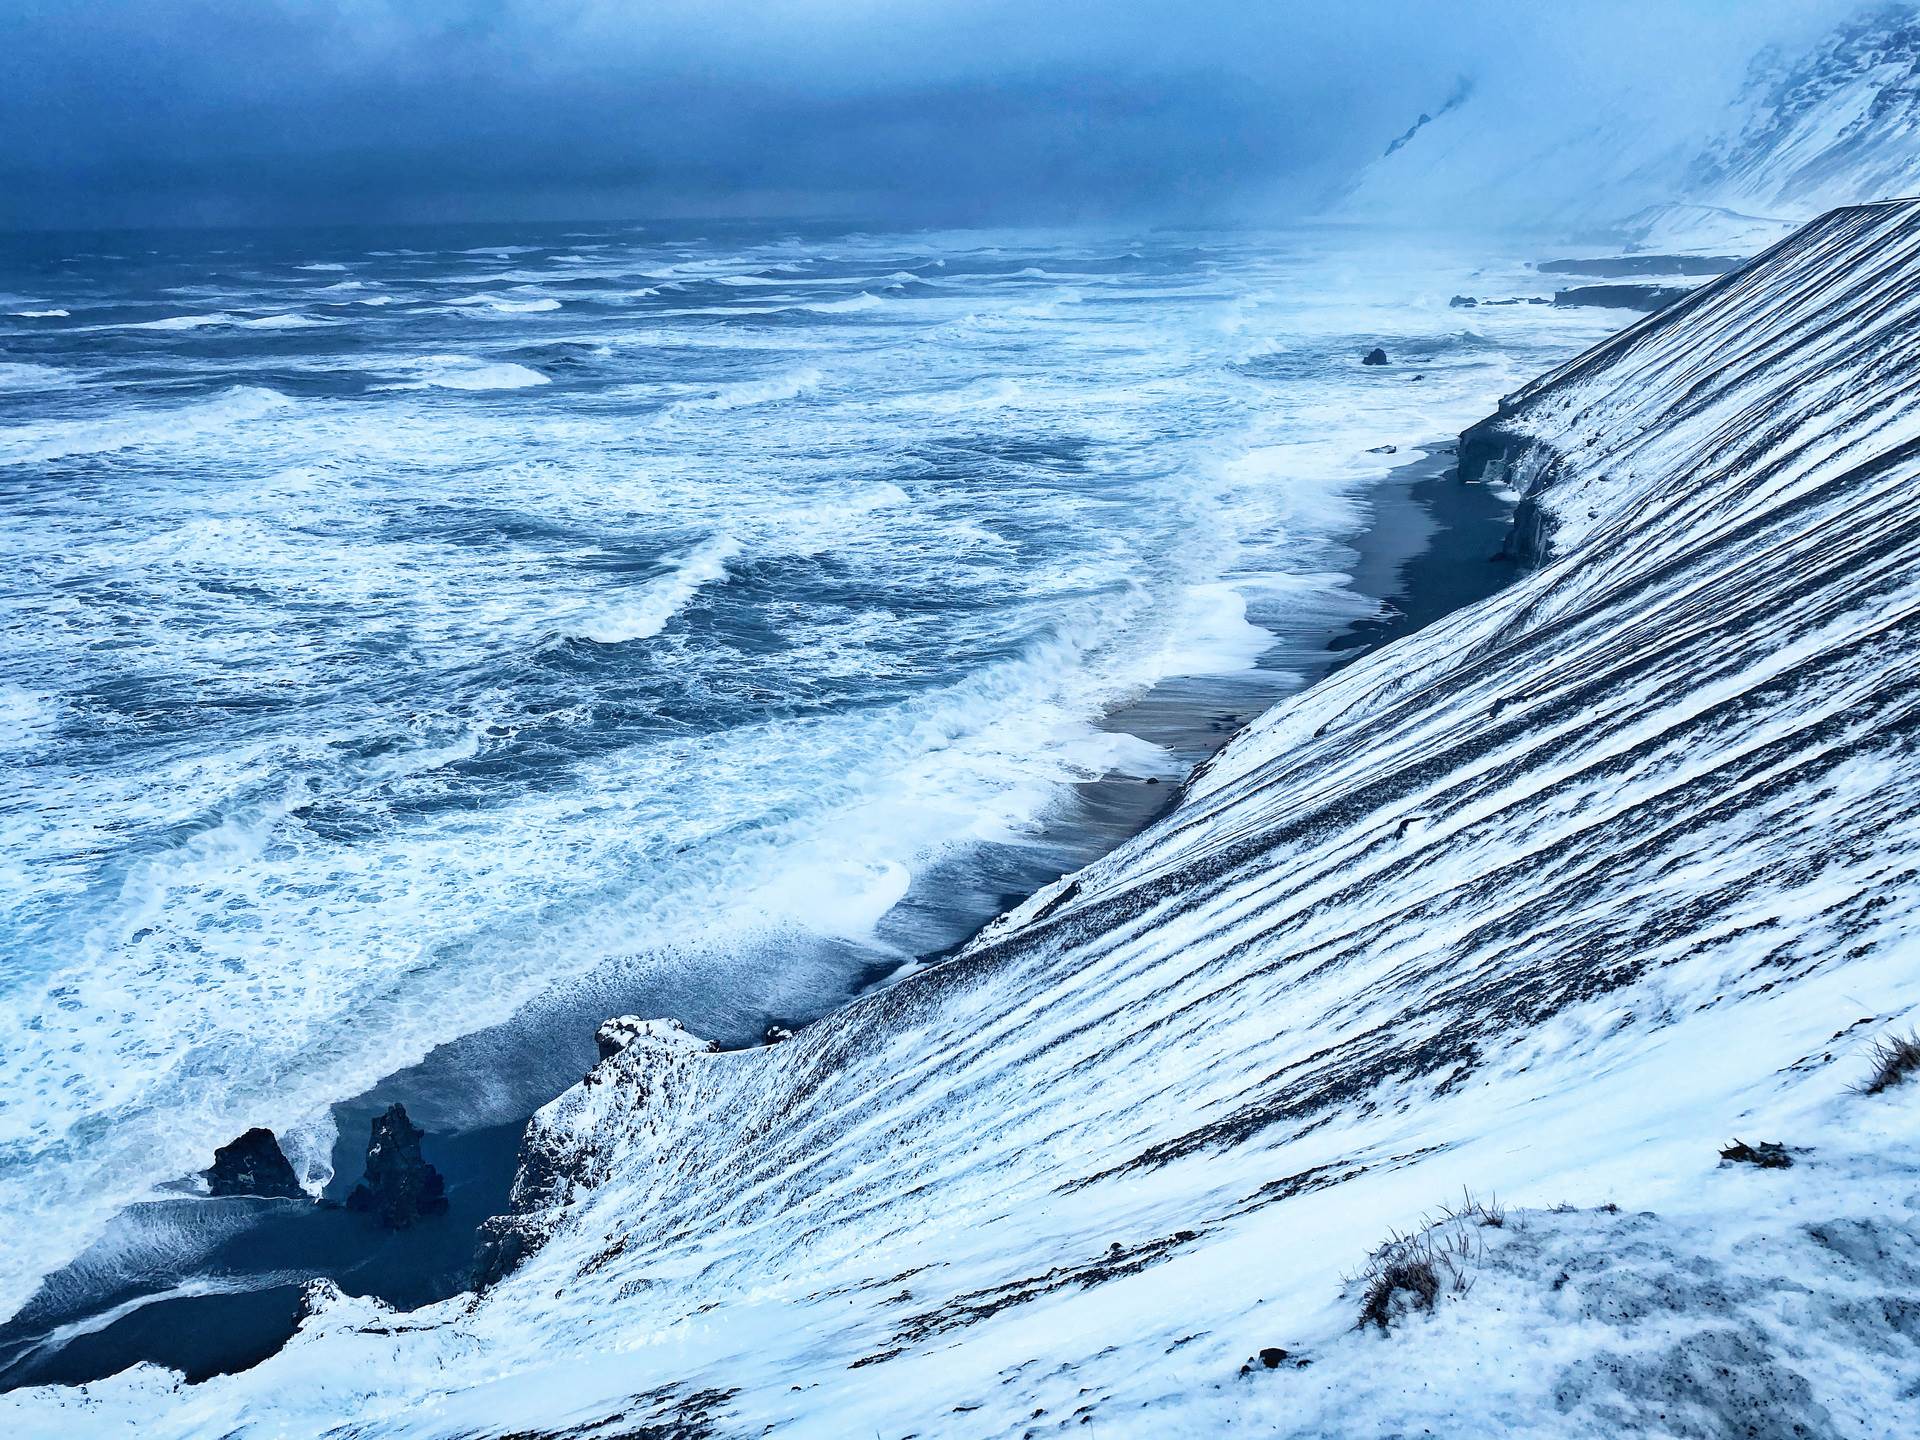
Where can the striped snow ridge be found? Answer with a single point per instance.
(1550, 899)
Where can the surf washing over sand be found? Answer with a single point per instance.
(488, 626)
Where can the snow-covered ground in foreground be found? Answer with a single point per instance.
(1551, 900)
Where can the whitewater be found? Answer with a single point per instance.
(419, 644)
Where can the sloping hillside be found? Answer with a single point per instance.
(1553, 899)
(1809, 127)
(1825, 128)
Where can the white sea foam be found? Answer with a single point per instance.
(27, 717)
(327, 265)
(55, 314)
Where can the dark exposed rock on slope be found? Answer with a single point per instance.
(1550, 898)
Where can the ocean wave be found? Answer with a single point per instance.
(463, 372)
(320, 265)
(22, 375)
(966, 399)
(854, 303)
(647, 614)
(56, 440)
(284, 322)
(41, 314)
(177, 322)
(754, 392)
(503, 306)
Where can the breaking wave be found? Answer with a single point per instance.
(648, 613)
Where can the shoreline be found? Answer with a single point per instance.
(1426, 545)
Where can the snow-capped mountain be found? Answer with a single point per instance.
(1805, 129)
(1827, 128)
(1553, 899)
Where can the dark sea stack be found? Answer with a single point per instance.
(1646, 298)
(1375, 356)
(400, 1187)
(254, 1165)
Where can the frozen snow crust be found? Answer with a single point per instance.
(1554, 899)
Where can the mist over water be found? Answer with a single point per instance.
(405, 630)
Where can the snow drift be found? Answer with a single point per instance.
(1553, 899)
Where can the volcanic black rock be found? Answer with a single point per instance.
(400, 1187)
(254, 1165)
(1375, 356)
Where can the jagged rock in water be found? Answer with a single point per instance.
(775, 1034)
(254, 1165)
(1375, 356)
(400, 1187)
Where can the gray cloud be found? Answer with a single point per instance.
(185, 111)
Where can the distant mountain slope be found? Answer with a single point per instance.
(1808, 128)
(1832, 127)
(1553, 898)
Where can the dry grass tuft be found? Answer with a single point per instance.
(1409, 1273)
(1896, 1060)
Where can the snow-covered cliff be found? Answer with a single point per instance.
(1552, 899)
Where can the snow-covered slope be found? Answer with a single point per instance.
(1551, 899)
(1809, 126)
(1826, 128)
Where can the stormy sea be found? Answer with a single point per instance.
(420, 645)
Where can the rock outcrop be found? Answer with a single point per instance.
(400, 1187)
(254, 1165)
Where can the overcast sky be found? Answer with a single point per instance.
(940, 111)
